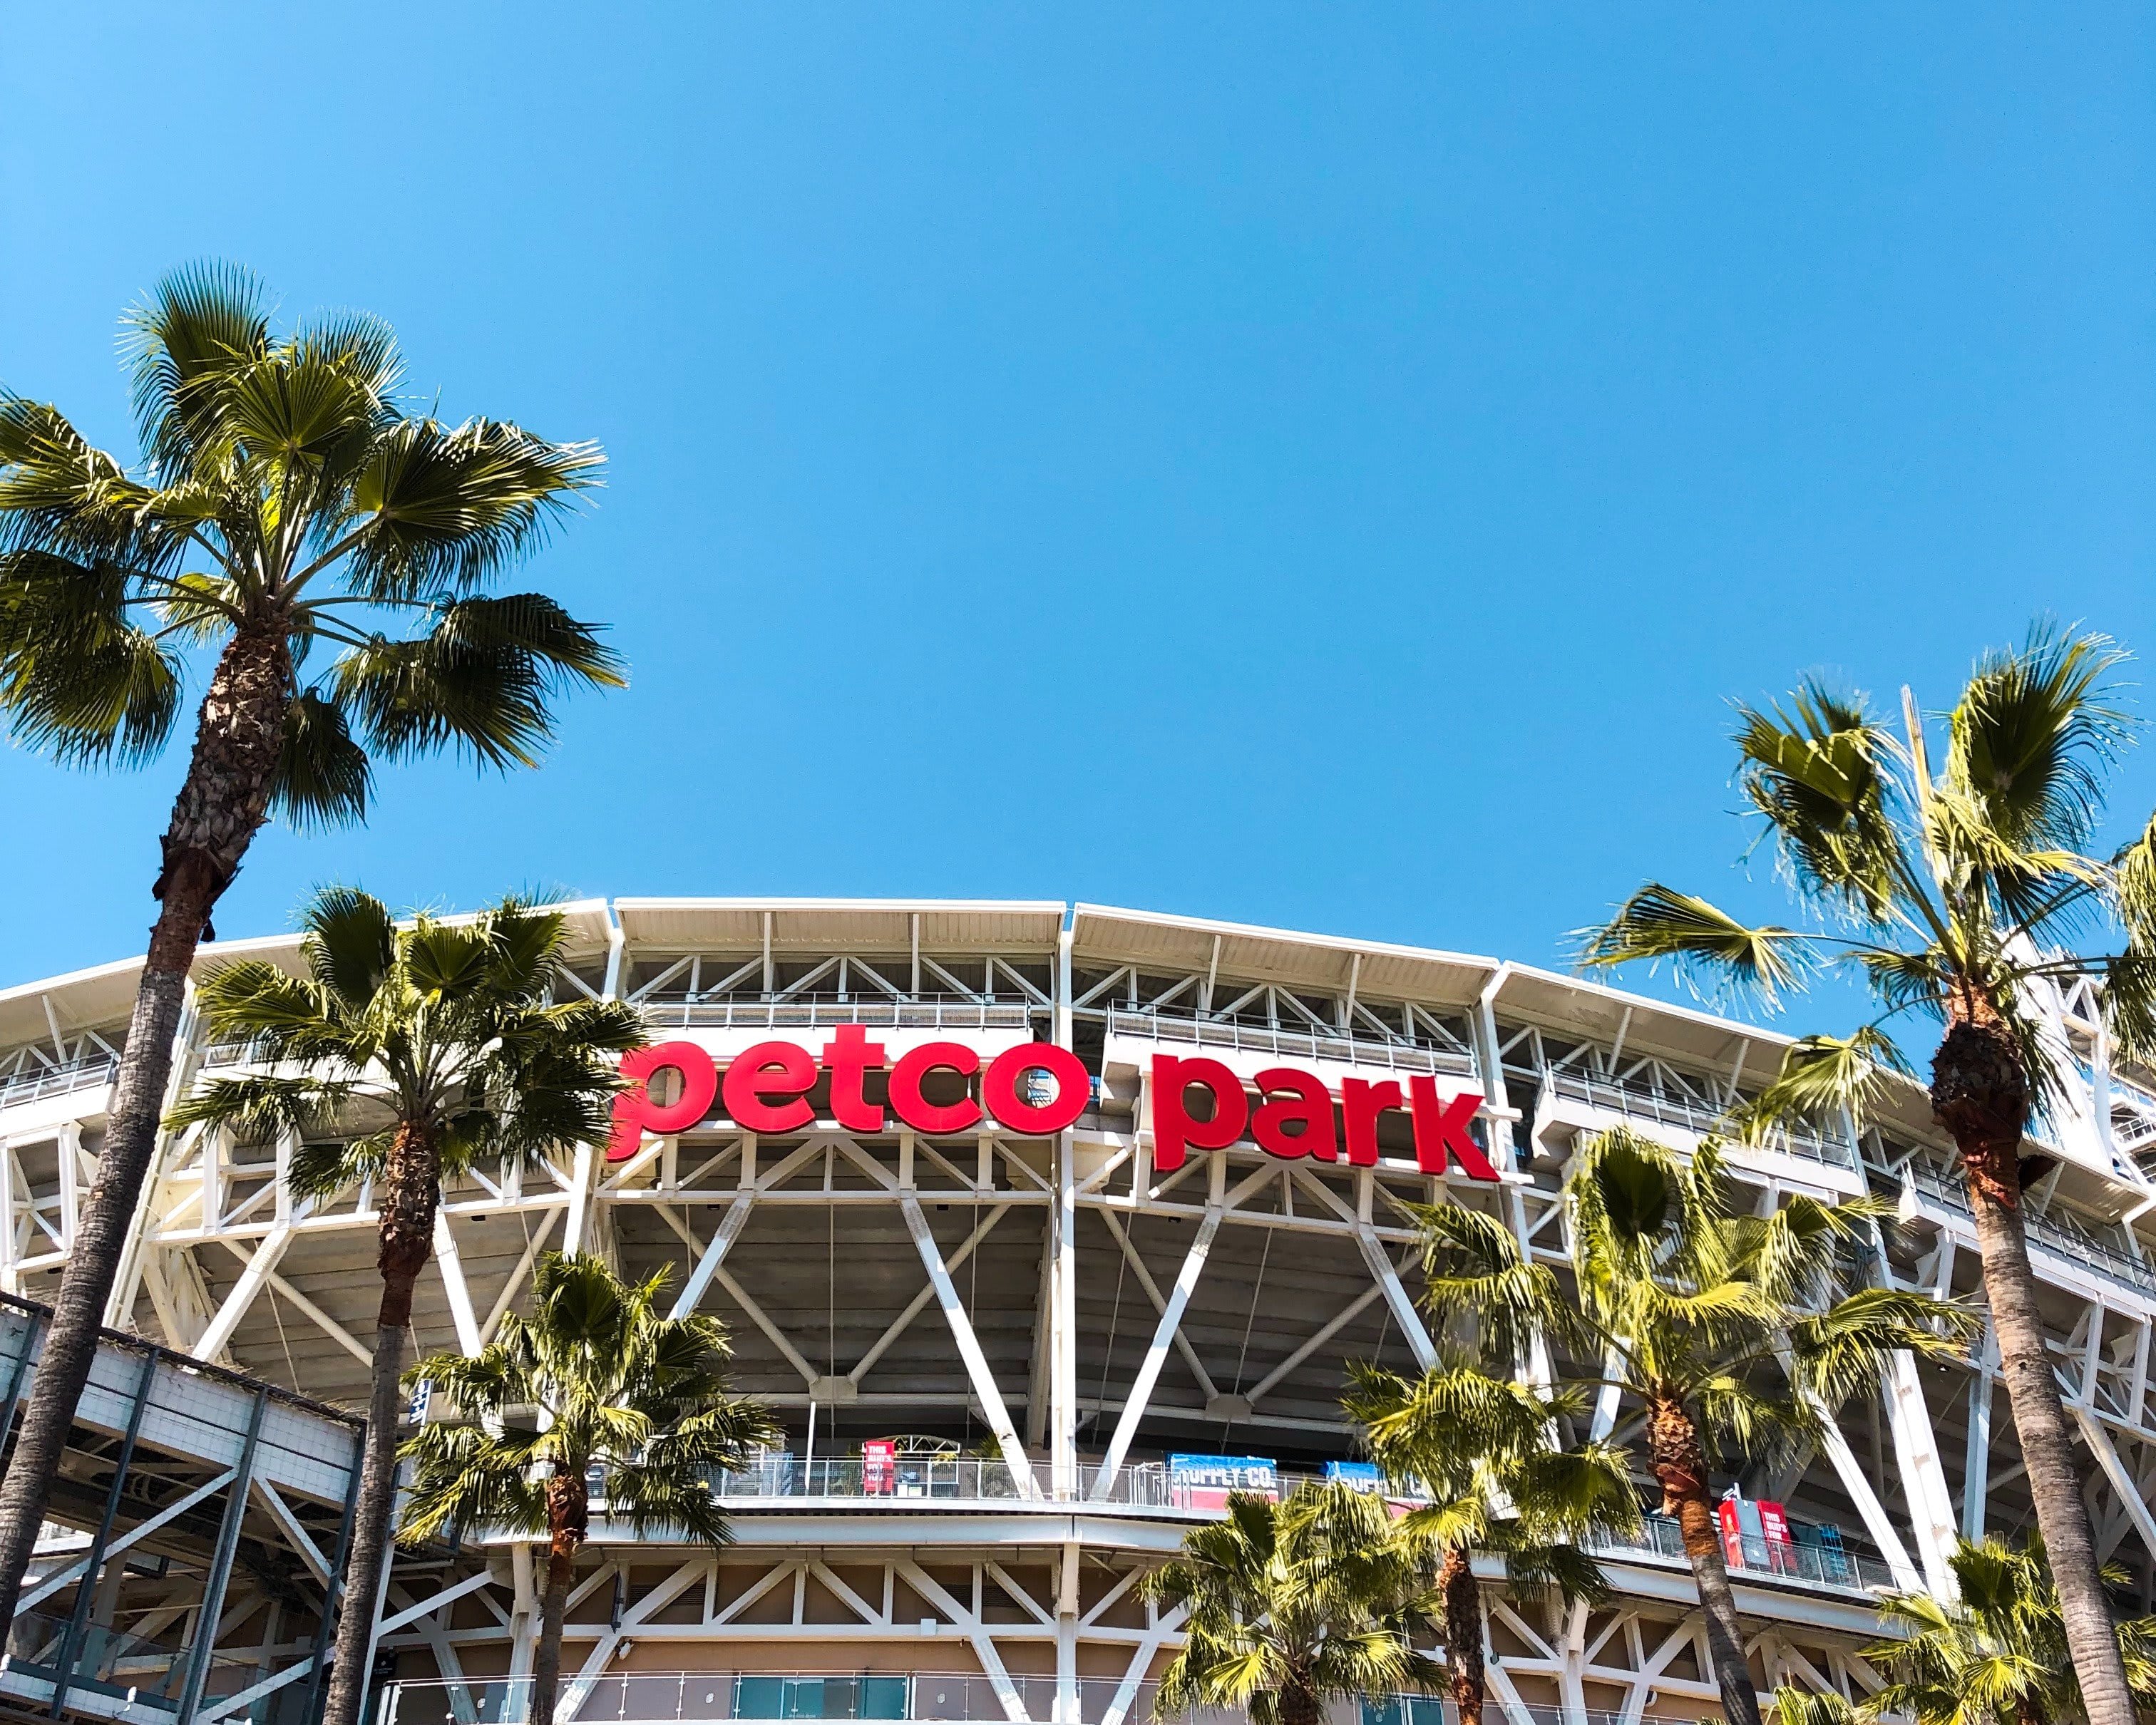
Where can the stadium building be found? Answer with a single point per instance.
(1024, 1318)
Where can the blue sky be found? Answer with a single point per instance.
(1329, 466)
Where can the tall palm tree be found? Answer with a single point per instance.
(1998, 1655)
(1483, 1450)
(435, 1046)
(1942, 893)
(1296, 1604)
(285, 502)
(1737, 1335)
(596, 1378)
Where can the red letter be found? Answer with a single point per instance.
(1439, 1130)
(634, 1112)
(769, 1070)
(1172, 1127)
(1311, 1103)
(916, 1109)
(1361, 1103)
(1074, 1088)
(849, 1056)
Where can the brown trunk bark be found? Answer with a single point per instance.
(220, 807)
(1680, 1467)
(1980, 1094)
(409, 1190)
(1298, 1706)
(568, 1518)
(1463, 1636)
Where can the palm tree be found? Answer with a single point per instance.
(1998, 1655)
(596, 1379)
(1940, 892)
(1482, 1451)
(1296, 1604)
(285, 502)
(1695, 1314)
(436, 1041)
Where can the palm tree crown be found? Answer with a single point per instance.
(1293, 1604)
(435, 1046)
(287, 499)
(1737, 1334)
(1951, 895)
(1482, 1451)
(595, 1379)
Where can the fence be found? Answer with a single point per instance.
(693, 1698)
(1773, 1560)
(2045, 1234)
(1311, 1044)
(1635, 1103)
(37, 1081)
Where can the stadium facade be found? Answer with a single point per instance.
(1024, 1318)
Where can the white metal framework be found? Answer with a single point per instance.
(1051, 1319)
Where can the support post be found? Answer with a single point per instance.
(326, 1636)
(79, 1618)
(220, 1567)
(1163, 1338)
(992, 1407)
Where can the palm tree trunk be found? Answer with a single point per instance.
(1463, 1636)
(1298, 1705)
(1679, 1467)
(411, 1187)
(568, 1518)
(221, 805)
(1980, 1094)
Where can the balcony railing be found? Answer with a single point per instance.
(693, 1698)
(1769, 1559)
(929, 1481)
(726, 1012)
(1635, 1102)
(2045, 1234)
(1309, 1044)
(56, 1080)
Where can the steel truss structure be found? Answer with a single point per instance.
(1052, 1318)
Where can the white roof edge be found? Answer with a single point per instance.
(1669, 1008)
(1040, 905)
(88, 973)
(1338, 943)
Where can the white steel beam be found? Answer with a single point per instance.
(218, 1337)
(969, 1348)
(451, 1267)
(1148, 1372)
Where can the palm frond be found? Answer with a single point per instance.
(322, 774)
(1816, 770)
(449, 506)
(194, 328)
(2032, 735)
(1707, 944)
(483, 680)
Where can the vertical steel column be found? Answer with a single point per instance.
(220, 1567)
(326, 1636)
(79, 1618)
(20, 1380)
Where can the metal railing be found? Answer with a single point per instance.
(1311, 1044)
(683, 1010)
(1771, 1559)
(56, 1080)
(692, 1698)
(1635, 1103)
(919, 1481)
(2045, 1233)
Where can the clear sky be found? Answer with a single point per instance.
(1322, 466)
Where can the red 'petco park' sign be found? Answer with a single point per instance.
(765, 1089)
